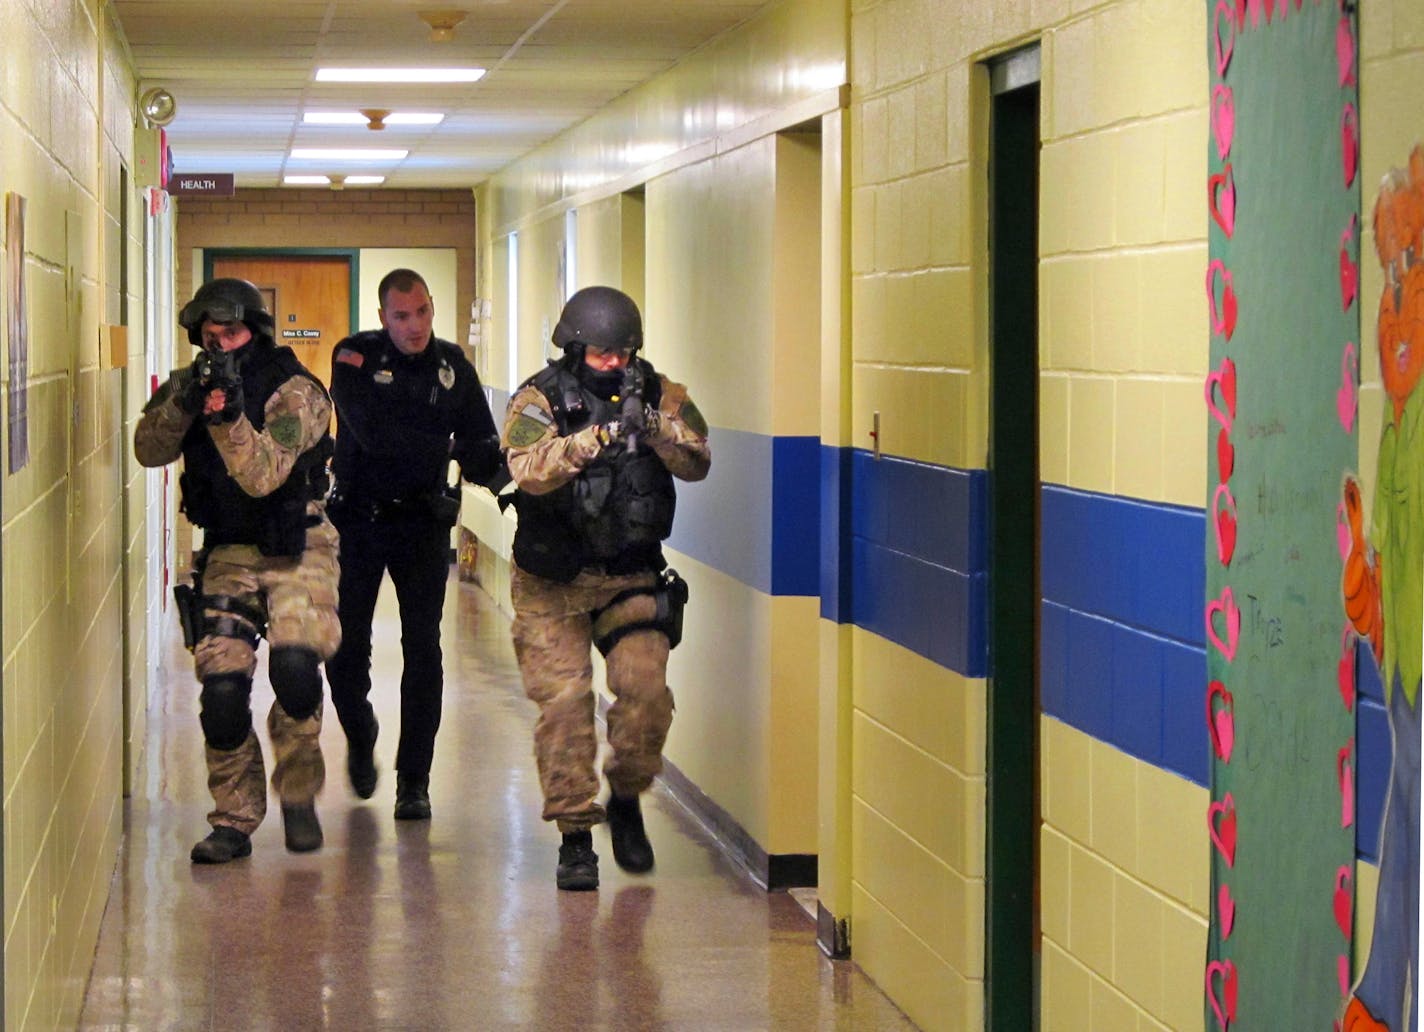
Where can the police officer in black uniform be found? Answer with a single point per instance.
(406, 403)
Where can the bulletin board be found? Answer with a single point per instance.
(1281, 396)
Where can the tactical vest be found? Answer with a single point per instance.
(212, 499)
(615, 513)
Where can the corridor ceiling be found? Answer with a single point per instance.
(244, 76)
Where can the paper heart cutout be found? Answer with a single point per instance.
(1221, 723)
(1225, 523)
(1221, 200)
(1256, 7)
(1349, 269)
(1221, 826)
(1222, 998)
(1345, 775)
(1223, 118)
(1222, 46)
(1345, 52)
(1346, 401)
(1342, 972)
(1225, 911)
(1345, 669)
(1225, 607)
(1225, 455)
(1350, 142)
(1343, 901)
(1222, 379)
(1223, 317)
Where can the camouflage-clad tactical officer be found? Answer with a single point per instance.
(252, 427)
(593, 443)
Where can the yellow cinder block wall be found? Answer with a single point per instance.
(693, 237)
(1123, 345)
(66, 114)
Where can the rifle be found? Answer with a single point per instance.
(630, 414)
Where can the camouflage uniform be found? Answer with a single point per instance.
(555, 624)
(297, 595)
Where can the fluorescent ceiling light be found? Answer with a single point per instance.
(356, 118)
(399, 74)
(305, 180)
(348, 154)
(365, 180)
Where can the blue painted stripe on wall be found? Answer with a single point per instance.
(1126, 560)
(796, 516)
(835, 577)
(918, 558)
(725, 520)
(1122, 654)
(756, 516)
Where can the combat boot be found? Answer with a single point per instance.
(302, 829)
(412, 797)
(361, 763)
(631, 848)
(578, 863)
(222, 844)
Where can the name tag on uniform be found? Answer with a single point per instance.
(383, 377)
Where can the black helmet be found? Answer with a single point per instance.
(226, 300)
(601, 316)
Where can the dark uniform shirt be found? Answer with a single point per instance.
(401, 418)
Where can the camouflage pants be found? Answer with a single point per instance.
(299, 599)
(554, 629)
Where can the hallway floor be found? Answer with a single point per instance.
(449, 924)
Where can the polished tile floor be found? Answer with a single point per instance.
(452, 924)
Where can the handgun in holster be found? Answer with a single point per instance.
(444, 503)
(188, 598)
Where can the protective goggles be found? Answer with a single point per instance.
(195, 312)
(600, 352)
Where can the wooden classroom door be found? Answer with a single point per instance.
(309, 297)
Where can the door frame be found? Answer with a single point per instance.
(1012, 761)
(212, 255)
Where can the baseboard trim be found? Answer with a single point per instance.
(774, 872)
(832, 933)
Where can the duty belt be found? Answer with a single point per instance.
(377, 509)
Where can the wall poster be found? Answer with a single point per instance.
(1281, 394)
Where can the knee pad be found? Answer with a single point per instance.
(226, 714)
(296, 679)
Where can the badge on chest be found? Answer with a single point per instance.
(383, 377)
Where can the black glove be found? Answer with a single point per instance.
(480, 458)
(232, 401)
(186, 387)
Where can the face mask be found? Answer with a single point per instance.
(603, 384)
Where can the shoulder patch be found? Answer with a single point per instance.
(536, 413)
(525, 430)
(286, 430)
(350, 357)
(689, 414)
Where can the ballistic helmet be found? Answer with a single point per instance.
(601, 316)
(226, 300)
